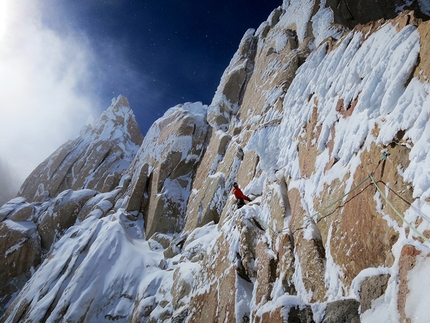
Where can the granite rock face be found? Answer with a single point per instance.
(351, 13)
(94, 160)
(325, 129)
(82, 179)
(21, 253)
(164, 168)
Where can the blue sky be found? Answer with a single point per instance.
(158, 53)
(62, 61)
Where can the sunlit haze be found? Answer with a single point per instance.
(3, 17)
(41, 77)
(62, 61)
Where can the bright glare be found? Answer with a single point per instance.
(40, 72)
(3, 17)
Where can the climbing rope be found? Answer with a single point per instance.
(312, 217)
(397, 212)
(329, 206)
(338, 200)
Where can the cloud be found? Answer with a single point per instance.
(7, 191)
(47, 90)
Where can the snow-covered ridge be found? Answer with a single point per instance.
(305, 112)
(95, 159)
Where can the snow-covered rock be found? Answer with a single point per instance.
(324, 124)
(95, 160)
(164, 168)
(21, 253)
(61, 215)
(53, 196)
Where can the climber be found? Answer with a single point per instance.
(238, 194)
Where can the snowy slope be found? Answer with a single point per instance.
(295, 149)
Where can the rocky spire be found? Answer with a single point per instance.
(94, 160)
(325, 128)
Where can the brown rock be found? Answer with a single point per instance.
(210, 196)
(297, 211)
(100, 205)
(217, 303)
(248, 168)
(20, 252)
(274, 316)
(275, 198)
(311, 255)
(250, 239)
(361, 238)
(24, 213)
(233, 84)
(350, 13)
(17, 210)
(345, 310)
(160, 189)
(285, 269)
(181, 290)
(61, 214)
(422, 71)
(372, 288)
(266, 265)
(94, 160)
(308, 151)
(138, 198)
(299, 314)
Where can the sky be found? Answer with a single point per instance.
(63, 61)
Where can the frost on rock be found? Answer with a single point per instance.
(94, 160)
(304, 114)
(164, 167)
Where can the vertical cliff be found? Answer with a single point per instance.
(322, 121)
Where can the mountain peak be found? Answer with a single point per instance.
(94, 160)
(325, 129)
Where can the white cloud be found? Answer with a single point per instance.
(45, 87)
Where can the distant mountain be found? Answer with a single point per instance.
(321, 117)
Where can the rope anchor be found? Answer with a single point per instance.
(315, 218)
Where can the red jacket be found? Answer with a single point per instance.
(239, 194)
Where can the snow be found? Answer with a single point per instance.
(22, 227)
(26, 229)
(376, 70)
(322, 19)
(153, 148)
(101, 261)
(243, 299)
(107, 263)
(297, 13)
(419, 285)
(385, 308)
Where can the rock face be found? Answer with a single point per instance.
(21, 253)
(322, 122)
(95, 159)
(165, 166)
(351, 13)
(81, 179)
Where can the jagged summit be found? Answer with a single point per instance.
(164, 168)
(324, 126)
(94, 160)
